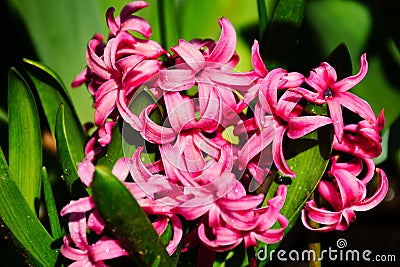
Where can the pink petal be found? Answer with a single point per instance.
(77, 229)
(120, 169)
(190, 54)
(350, 187)
(180, 111)
(377, 197)
(321, 78)
(106, 249)
(154, 132)
(95, 222)
(255, 145)
(256, 60)
(131, 8)
(174, 80)
(278, 153)
(300, 126)
(72, 253)
(177, 235)
(323, 229)
(137, 24)
(78, 206)
(210, 108)
(335, 113)
(226, 44)
(357, 105)
(95, 63)
(321, 215)
(129, 117)
(350, 82)
(111, 23)
(287, 102)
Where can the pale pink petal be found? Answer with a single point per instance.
(106, 249)
(176, 79)
(129, 117)
(72, 253)
(190, 54)
(210, 108)
(81, 205)
(226, 45)
(95, 222)
(180, 111)
(120, 169)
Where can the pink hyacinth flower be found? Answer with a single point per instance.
(335, 94)
(346, 194)
(83, 253)
(284, 119)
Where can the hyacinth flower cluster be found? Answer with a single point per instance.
(222, 134)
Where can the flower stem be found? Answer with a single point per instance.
(251, 256)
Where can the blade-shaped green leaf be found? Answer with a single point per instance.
(127, 220)
(25, 145)
(308, 157)
(70, 148)
(51, 206)
(283, 33)
(28, 234)
(167, 16)
(52, 93)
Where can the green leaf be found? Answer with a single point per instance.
(167, 14)
(128, 221)
(51, 206)
(52, 93)
(308, 157)
(28, 234)
(3, 116)
(25, 144)
(262, 18)
(283, 33)
(70, 149)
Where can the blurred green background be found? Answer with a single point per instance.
(57, 32)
